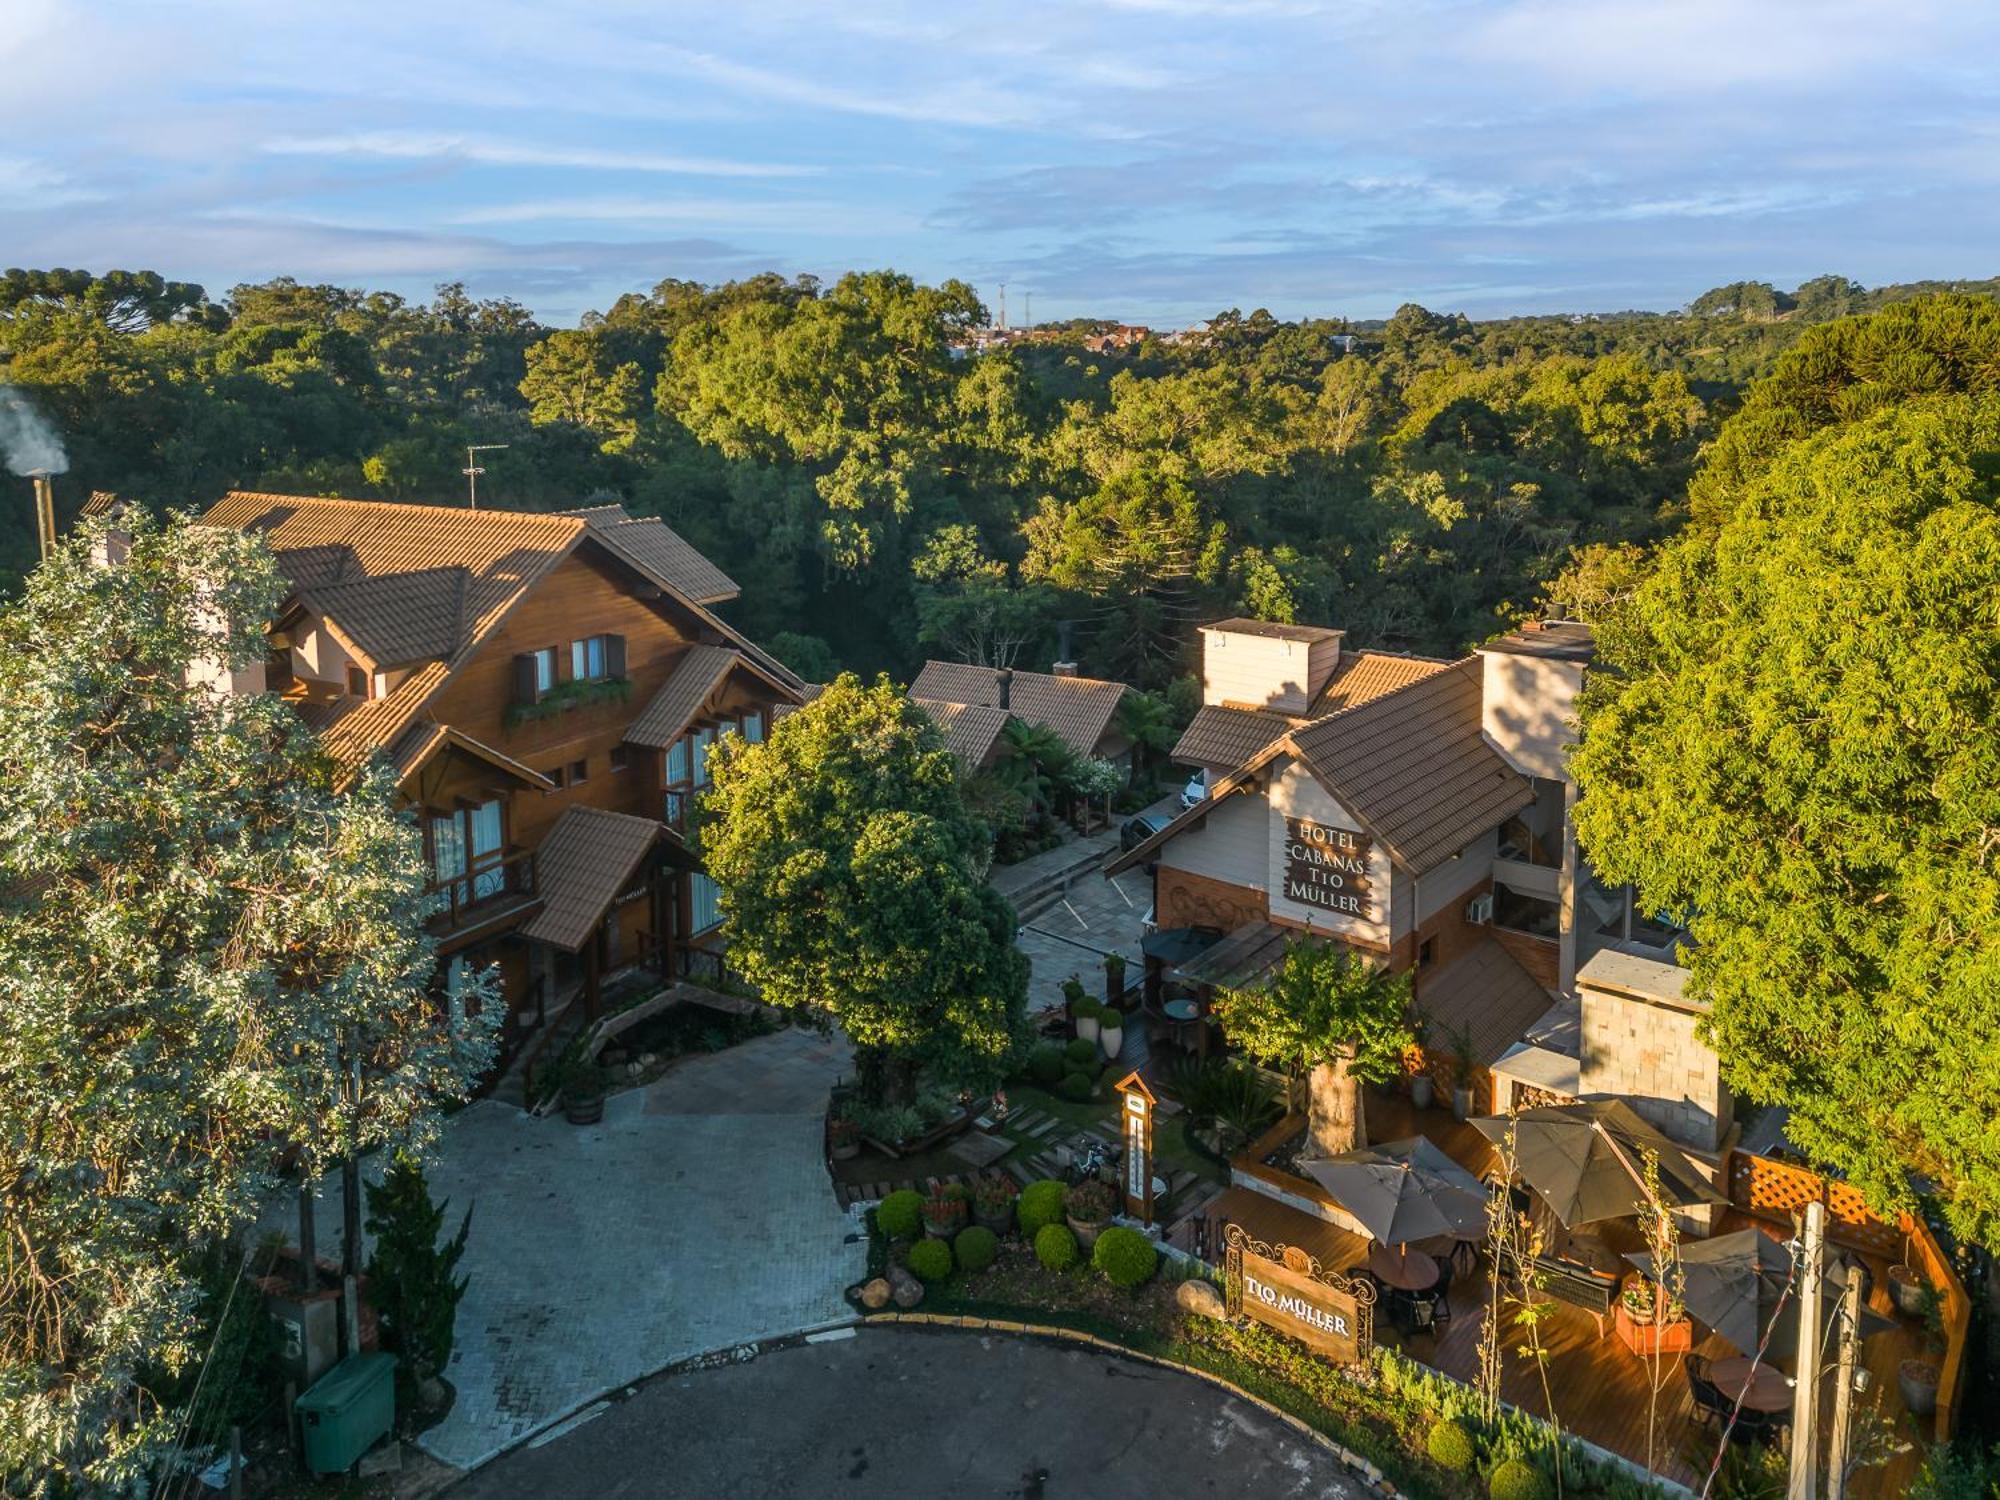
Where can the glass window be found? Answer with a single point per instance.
(620, 757)
(357, 682)
(1534, 836)
(487, 850)
(703, 738)
(579, 772)
(753, 728)
(677, 763)
(586, 659)
(545, 669)
(676, 808)
(447, 847)
(1520, 912)
(705, 902)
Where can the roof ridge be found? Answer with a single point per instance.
(567, 520)
(1381, 698)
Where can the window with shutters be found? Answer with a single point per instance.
(597, 657)
(545, 669)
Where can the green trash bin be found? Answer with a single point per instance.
(347, 1410)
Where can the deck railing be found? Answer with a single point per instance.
(484, 888)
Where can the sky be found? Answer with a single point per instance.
(1150, 160)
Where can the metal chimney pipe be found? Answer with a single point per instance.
(1005, 679)
(45, 510)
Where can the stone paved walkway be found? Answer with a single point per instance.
(697, 1215)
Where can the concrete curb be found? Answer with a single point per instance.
(1360, 1468)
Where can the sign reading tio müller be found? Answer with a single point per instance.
(1331, 1319)
(1328, 867)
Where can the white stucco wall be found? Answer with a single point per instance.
(1228, 845)
(1528, 710)
(1449, 883)
(1294, 793)
(1264, 671)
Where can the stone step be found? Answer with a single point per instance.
(1020, 1173)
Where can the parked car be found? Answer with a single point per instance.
(1195, 791)
(1137, 830)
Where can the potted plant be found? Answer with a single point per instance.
(843, 1138)
(946, 1211)
(1114, 979)
(1074, 998)
(1110, 1031)
(993, 1203)
(1911, 1289)
(1464, 1068)
(1650, 1323)
(1088, 1206)
(583, 1092)
(1917, 1379)
(1085, 1013)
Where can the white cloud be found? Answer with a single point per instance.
(821, 216)
(409, 145)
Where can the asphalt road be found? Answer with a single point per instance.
(894, 1411)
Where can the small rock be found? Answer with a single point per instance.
(647, 1059)
(1200, 1298)
(905, 1288)
(875, 1296)
(385, 1459)
(635, 1070)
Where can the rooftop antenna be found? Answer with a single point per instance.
(473, 468)
(1003, 304)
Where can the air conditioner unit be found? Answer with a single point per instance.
(1479, 910)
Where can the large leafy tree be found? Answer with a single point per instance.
(211, 954)
(1331, 1013)
(853, 880)
(1798, 748)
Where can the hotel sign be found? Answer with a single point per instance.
(1328, 867)
(1137, 1112)
(1285, 1289)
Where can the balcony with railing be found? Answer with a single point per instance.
(492, 888)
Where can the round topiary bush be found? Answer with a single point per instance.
(975, 1248)
(901, 1215)
(930, 1260)
(1055, 1247)
(1125, 1256)
(1517, 1479)
(1077, 1087)
(1081, 1055)
(1450, 1447)
(1040, 1204)
(1047, 1063)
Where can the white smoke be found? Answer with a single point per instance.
(27, 440)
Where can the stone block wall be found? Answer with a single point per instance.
(1648, 1054)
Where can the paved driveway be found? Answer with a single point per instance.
(890, 1411)
(698, 1215)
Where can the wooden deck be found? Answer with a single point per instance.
(1600, 1391)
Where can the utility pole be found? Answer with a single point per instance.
(1805, 1389)
(473, 469)
(1839, 1449)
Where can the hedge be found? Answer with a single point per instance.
(901, 1215)
(1040, 1203)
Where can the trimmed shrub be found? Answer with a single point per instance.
(930, 1260)
(1055, 1247)
(1040, 1204)
(1047, 1062)
(1450, 1447)
(1517, 1479)
(1081, 1055)
(1125, 1256)
(901, 1215)
(1077, 1087)
(975, 1249)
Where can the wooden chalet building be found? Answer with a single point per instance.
(545, 689)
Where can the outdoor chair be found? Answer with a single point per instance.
(1711, 1407)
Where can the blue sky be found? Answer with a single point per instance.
(1145, 159)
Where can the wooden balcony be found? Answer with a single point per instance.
(485, 897)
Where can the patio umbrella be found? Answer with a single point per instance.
(1404, 1190)
(1587, 1160)
(1174, 946)
(1733, 1283)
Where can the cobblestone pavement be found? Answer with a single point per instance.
(1097, 917)
(894, 1411)
(697, 1215)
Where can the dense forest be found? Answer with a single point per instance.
(883, 493)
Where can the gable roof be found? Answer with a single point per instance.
(1225, 735)
(1485, 992)
(1078, 709)
(697, 674)
(1219, 736)
(970, 729)
(1411, 765)
(582, 864)
(394, 619)
(692, 575)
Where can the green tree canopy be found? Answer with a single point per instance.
(1798, 746)
(199, 928)
(853, 881)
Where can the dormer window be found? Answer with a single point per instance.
(357, 683)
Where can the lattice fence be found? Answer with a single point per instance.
(1778, 1190)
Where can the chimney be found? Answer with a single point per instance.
(45, 510)
(1063, 669)
(1065, 662)
(1004, 681)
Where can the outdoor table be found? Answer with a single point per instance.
(1760, 1387)
(1180, 1010)
(1406, 1270)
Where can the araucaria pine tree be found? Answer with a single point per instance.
(413, 1280)
(212, 951)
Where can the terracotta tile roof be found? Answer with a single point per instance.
(423, 739)
(1366, 675)
(102, 503)
(1485, 991)
(367, 727)
(1079, 709)
(1414, 767)
(695, 676)
(580, 867)
(1227, 737)
(395, 619)
(665, 551)
(970, 729)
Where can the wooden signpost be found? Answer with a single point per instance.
(1283, 1287)
(1137, 1113)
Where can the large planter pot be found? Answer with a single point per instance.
(586, 1109)
(1917, 1379)
(1001, 1223)
(1422, 1091)
(1110, 1038)
(1114, 989)
(1461, 1103)
(1647, 1337)
(1086, 1231)
(1086, 1028)
(1911, 1291)
(846, 1148)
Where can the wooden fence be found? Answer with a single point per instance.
(1778, 1190)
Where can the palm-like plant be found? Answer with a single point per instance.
(1145, 720)
(1036, 761)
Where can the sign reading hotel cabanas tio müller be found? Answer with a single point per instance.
(1285, 1288)
(1327, 867)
